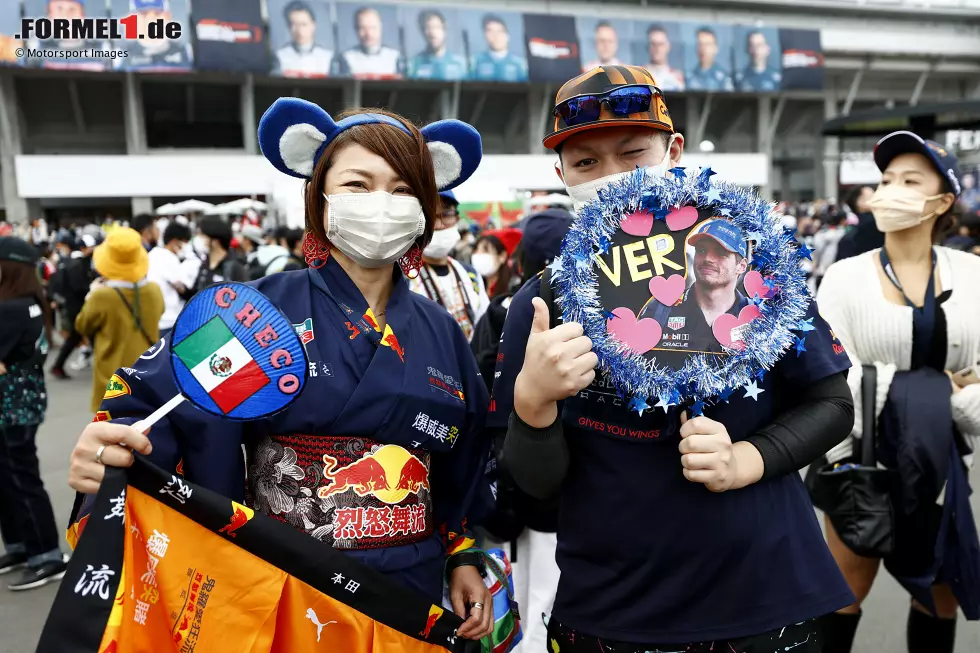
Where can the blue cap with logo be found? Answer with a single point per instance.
(724, 233)
(448, 196)
(904, 142)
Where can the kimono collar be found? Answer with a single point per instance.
(334, 280)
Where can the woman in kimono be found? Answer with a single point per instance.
(383, 454)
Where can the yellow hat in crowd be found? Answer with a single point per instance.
(122, 256)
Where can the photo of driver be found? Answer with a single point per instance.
(89, 49)
(303, 56)
(720, 261)
(157, 54)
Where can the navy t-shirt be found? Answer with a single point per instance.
(647, 556)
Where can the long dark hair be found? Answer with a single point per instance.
(19, 280)
(504, 272)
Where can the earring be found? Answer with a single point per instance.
(315, 251)
(411, 262)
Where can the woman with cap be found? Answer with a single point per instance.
(121, 315)
(491, 260)
(676, 533)
(445, 280)
(27, 522)
(912, 311)
(388, 369)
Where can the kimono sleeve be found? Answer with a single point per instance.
(510, 355)
(461, 490)
(204, 448)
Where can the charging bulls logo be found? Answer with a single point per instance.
(389, 473)
(240, 515)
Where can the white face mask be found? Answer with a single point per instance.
(896, 208)
(373, 229)
(201, 244)
(584, 193)
(442, 243)
(484, 264)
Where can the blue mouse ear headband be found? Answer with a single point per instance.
(293, 134)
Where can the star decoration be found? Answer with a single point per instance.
(804, 251)
(609, 315)
(713, 195)
(556, 267)
(697, 408)
(725, 394)
(805, 325)
(753, 390)
(664, 403)
(756, 300)
(769, 283)
(604, 244)
(706, 174)
(761, 374)
(725, 211)
(639, 405)
(756, 236)
(660, 214)
(678, 172)
(800, 348)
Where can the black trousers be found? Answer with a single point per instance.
(74, 339)
(799, 638)
(26, 517)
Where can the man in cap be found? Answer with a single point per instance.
(677, 532)
(156, 54)
(758, 75)
(720, 260)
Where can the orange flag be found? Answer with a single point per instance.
(165, 565)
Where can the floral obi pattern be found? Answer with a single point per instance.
(353, 493)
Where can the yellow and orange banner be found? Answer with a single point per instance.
(165, 565)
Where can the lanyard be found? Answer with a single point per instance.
(371, 331)
(921, 328)
(433, 292)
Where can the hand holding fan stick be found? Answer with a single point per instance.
(233, 354)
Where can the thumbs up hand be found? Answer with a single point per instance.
(558, 363)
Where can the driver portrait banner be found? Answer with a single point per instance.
(166, 565)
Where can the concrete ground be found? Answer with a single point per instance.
(22, 614)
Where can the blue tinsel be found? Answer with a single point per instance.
(776, 254)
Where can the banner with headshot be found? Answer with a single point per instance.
(156, 55)
(495, 45)
(230, 35)
(659, 47)
(301, 38)
(708, 57)
(93, 55)
(802, 59)
(552, 47)
(757, 59)
(970, 197)
(604, 41)
(434, 43)
(369, 42)
(10, 25)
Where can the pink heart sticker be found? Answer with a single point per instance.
(682, 218)
(639, 335)
(667, 290)
(637, 223)
(755, 284)
(729, 330)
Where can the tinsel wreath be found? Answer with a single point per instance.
(776, 255)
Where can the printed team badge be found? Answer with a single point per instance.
(102, 416)
(305, 330)
(235, 355)
(676, 323)
(116, 387)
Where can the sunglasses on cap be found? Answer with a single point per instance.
(622, 101)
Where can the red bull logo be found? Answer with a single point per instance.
(389, 339)
(371, 320)
(239, 517)
(373, 474)
(434, 613)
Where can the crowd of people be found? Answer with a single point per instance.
(699, 538)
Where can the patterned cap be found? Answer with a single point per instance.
(603, 79)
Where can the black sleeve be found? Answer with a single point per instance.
(821, 419)
(11, 329)
(537, 459)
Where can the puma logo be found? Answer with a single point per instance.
(311, 615)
